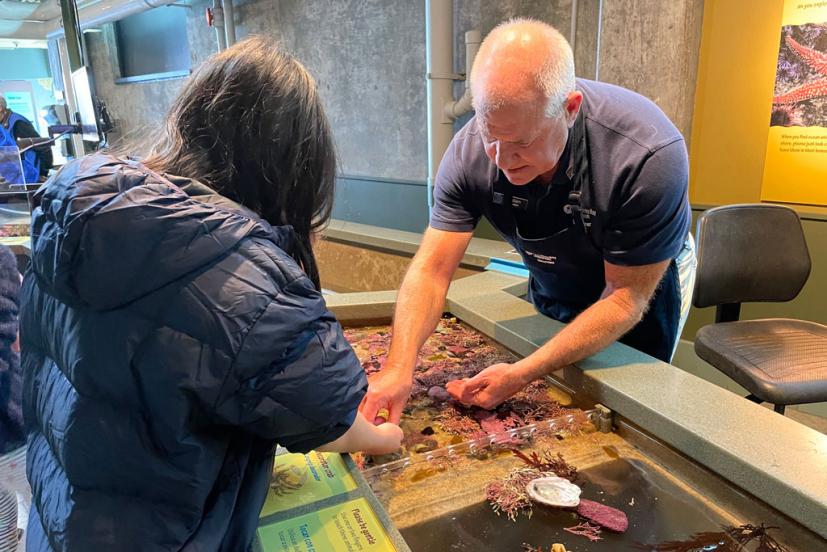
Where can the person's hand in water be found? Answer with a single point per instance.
(490, 387)
(388, 392)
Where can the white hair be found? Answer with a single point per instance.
(552, 70)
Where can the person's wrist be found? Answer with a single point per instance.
(399, 369)
(528, 370)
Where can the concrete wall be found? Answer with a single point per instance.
(652, 48)
(369, 59)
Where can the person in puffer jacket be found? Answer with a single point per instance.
(172, 325)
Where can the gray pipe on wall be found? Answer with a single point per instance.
(573, 29)
(455, 110)
(218, 23)
(439, 80)
(229, 22)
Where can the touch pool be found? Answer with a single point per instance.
(436, 489)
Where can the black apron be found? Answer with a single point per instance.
(566, 263)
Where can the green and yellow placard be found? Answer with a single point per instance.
(348, 527)
(300, 479)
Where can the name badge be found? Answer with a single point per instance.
(520, 203)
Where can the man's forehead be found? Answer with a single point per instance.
(506, 83)
(525, 120)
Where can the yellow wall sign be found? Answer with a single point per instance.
(347, 527)
(795, 167)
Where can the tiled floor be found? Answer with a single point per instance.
(816, 422)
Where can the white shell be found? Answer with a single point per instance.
(554, 491)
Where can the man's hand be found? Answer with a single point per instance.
(388, 390)
(490, 387)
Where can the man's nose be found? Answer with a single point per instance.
(505, 155)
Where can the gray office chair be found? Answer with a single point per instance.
(750, 253)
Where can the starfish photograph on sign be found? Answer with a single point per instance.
(800, 97)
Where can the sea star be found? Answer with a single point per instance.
(787, 115)
(818, 62)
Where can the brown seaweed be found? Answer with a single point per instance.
(585, 529)
(547, 462)
(730, 539)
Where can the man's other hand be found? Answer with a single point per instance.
(490, 387)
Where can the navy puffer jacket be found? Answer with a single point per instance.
(169, 342)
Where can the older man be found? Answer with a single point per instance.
(36, 161)
(587, 181)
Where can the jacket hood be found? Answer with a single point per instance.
(108, 231)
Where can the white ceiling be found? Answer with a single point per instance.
(15, 10)
(26, 19)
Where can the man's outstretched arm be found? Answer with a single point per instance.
(621, 306)
(419, 306)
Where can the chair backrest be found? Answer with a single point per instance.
(750, 252)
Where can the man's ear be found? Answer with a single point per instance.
(573, 103)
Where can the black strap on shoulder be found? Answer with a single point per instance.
(580, 195)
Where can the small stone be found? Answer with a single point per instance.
(605, 516)
(438, 393)
(425, 446)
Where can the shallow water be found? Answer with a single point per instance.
(657, 510)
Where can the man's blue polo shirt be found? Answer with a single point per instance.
(638, 199)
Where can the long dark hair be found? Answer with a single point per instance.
(250, 124)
